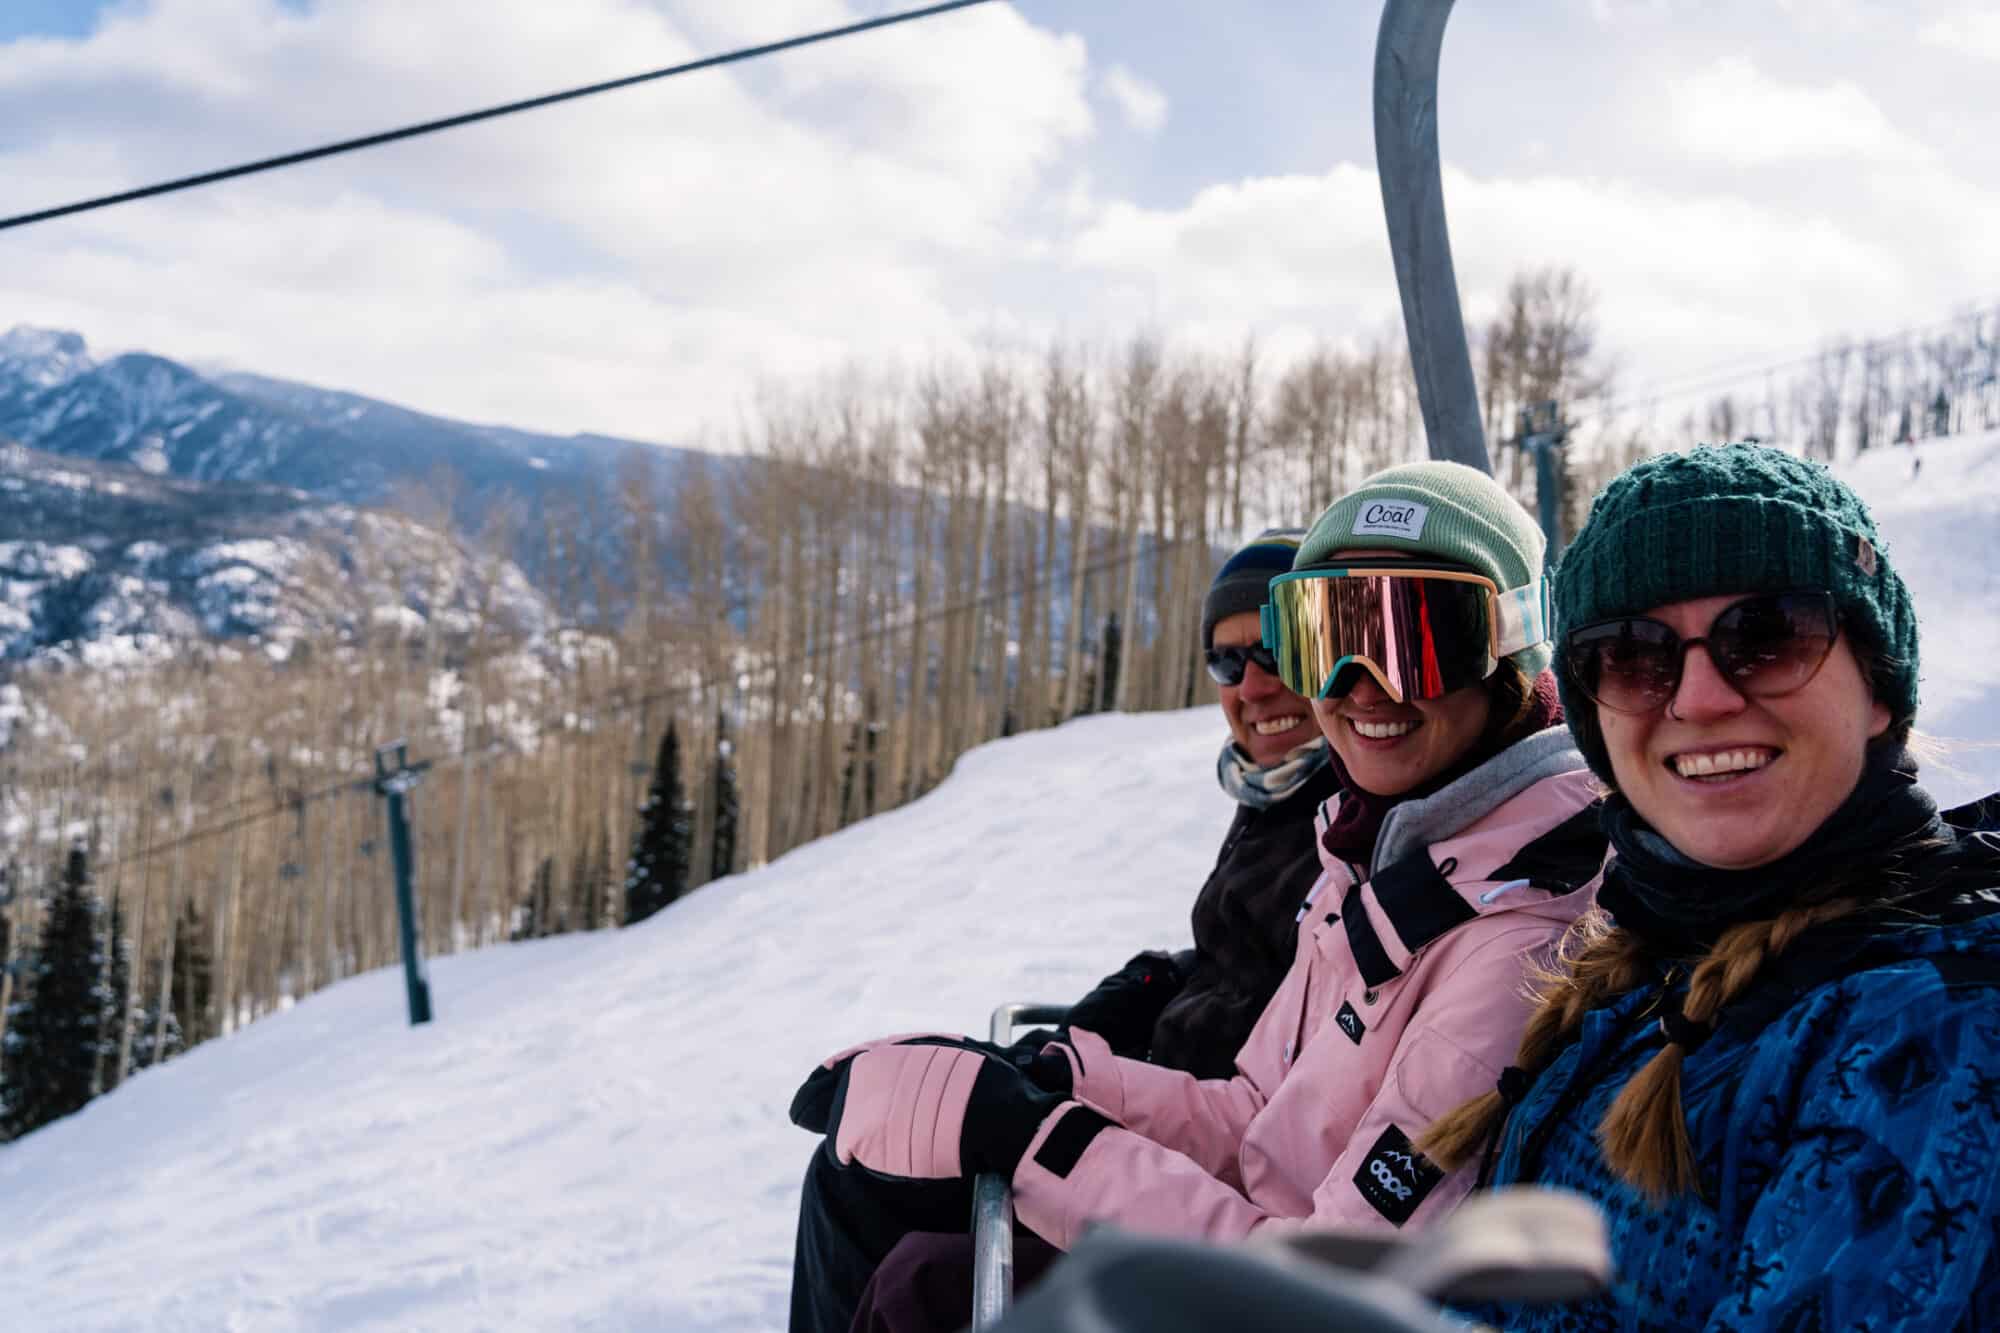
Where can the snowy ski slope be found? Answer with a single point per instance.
(592, 1134)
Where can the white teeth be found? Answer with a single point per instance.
(1381, 731)
(1271, 726)
(1715, 765)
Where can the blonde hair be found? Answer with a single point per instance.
(1644, 1134)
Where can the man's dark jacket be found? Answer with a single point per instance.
(1194, 1010)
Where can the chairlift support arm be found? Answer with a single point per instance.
(1406, 160)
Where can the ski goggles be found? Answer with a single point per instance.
(1227, 665)
(1421, 633)
(1764, 646)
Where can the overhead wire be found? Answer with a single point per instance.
(474, 117)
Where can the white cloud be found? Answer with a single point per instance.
(635, 262)
(1972, 31)
(640, 262)
(1685, 279)
(1733, 113)
(1142, 103)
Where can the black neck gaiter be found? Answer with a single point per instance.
(1679, 906)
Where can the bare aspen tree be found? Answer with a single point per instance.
(1133, 405)
(1070, 421)
(911, 776)
(701, 543)
(999, 430)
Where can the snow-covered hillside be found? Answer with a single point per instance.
(593, 1133)
(1938, 505)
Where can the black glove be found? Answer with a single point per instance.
(1047, 1069)
(1004, 1114)
(1124, 1007)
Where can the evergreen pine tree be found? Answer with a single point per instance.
(1114, 640)
(55, 1036)
(722, 848)
(592, 875)
(532, 921)
(657, 873)
(117, 990)
(192, 985)
(153, 1041)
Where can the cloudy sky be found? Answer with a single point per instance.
(1738, 178)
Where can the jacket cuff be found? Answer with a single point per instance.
(1094, 1075)
(1040, 1181)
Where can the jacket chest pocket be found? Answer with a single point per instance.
(1336, 998)
(1318, 958)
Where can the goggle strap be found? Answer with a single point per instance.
(1520, 618)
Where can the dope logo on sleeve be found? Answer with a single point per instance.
(1395, 1177)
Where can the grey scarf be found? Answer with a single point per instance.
(1262, 788)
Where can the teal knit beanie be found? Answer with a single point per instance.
(1733, 518)
(1446, 511)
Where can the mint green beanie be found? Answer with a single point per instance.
(1446, 511)
(1733, 518)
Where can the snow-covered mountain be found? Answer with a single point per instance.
(592, 1133)
(164, 417)
(167, 419)
(103, 564)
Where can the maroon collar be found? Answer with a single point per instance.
(1357, 815)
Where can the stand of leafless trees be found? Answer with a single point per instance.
(896, 571)
(1853, 395)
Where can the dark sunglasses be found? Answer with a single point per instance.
(1227, 665)
(1764, 646)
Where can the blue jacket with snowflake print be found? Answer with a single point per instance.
(1845, 1116)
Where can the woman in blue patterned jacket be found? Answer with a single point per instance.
(1773, 1057)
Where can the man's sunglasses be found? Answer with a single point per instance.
(1226, 665)
(1764, 646)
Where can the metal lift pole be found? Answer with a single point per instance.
(395, 785)
(1406, 160)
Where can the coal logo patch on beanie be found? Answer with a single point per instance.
(1391, 518)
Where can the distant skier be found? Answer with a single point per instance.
(1460, 844)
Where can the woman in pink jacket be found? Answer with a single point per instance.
(1462, 844)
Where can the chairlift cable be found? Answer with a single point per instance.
(472, 117)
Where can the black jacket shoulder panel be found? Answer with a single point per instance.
(1564, 858)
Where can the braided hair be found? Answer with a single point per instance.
(1643, 1135)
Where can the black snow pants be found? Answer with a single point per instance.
(851, 1218)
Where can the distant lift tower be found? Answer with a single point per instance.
(395, 785)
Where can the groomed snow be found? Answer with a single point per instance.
(592, 1135)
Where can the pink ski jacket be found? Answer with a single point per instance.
(1405, 998)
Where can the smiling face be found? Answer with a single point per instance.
(1390, 748)
(1733, 781)
(1267, 720)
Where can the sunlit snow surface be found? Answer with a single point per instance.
(592, 1134)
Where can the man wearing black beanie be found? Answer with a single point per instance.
(1192, 1010)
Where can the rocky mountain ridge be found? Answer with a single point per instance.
(103, 564)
